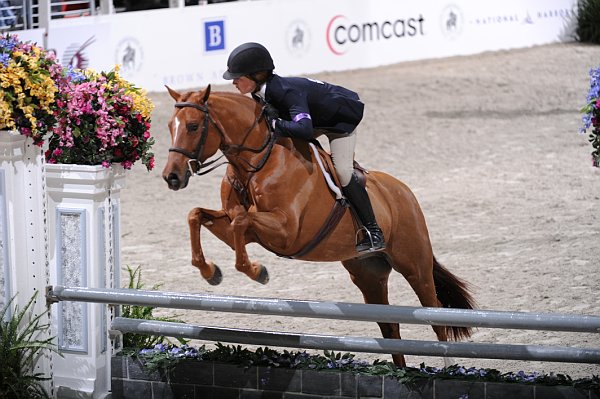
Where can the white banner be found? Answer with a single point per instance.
(188, 47)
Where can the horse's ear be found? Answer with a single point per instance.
(206, 94)
(176, 96)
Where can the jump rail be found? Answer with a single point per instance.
(359, 344)
(331, 310)
(344, 311)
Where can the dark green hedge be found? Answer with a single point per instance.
(588, 21)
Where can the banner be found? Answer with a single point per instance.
(188, 47)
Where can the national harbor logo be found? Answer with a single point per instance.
(298, 38)
(452, 21)
(517, 17)
(130, 55)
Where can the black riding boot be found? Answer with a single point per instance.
(359, 198)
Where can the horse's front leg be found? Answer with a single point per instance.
(240, 224)
(218, 223)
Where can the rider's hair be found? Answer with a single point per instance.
(260, 77)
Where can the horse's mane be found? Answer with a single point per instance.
(196, 95)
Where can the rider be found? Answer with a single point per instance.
(305, 108)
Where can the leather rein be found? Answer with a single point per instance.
(226, 149)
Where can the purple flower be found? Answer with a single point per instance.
(4, 59)
(75, 75)
(177, 352)
(8, 43)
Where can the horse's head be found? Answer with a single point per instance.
(191, 143)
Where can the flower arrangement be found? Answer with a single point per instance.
(100, 119)
(591, 117)
(28, 90)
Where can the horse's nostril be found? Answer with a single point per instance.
(172, 177)
(172, 180)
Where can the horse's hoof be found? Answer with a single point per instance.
(216, 278)
(263, 277)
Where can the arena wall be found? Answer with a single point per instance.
(187, 47)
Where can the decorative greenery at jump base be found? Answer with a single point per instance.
(164, 357)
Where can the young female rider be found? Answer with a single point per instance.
(305, 108)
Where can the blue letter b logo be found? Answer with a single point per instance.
(214, 35)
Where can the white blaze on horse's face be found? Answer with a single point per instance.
(176, 129)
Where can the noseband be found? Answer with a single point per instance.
(225, 148)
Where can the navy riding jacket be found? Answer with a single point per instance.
(307, 104)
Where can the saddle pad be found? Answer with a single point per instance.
(333, 186)
(326, 164)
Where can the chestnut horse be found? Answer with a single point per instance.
(273, 193)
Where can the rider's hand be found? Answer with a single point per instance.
(271, 114)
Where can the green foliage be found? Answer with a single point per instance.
(588, 21)
(20, 348)
(164, 359)
(138, 341)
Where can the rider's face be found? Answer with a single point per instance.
(244, 84)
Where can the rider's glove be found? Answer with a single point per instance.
(271, 114)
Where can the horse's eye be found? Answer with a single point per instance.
(192, 127)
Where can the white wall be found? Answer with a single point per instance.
(188, 47)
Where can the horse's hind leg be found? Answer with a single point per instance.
(370, 275)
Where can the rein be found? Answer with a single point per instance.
(225, 148)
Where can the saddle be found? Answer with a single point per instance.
(325, 162)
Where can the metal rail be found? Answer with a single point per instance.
(359, 344)
(331, 310)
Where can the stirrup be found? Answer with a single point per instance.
(373, 247)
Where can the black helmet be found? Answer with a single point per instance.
(246, 59)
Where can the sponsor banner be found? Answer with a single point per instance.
(187, 48)
(82, 45)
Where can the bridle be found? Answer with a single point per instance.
(226, 149)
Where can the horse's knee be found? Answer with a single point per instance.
(194, 216)
(240, 219)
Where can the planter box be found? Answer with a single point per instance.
(191, 379)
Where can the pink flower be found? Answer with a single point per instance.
(57, 152)
(151, 163)
(127, 164)
(105, 164)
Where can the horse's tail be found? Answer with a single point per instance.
(452, 292)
